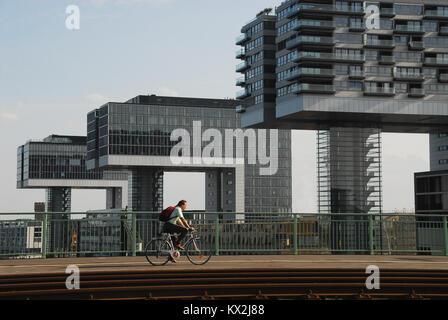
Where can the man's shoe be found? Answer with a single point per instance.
(180, 247)
(172, 260)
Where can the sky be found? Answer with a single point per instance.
(51, 77)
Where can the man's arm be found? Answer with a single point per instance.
(183, 223)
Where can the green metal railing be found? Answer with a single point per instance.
(126, 233)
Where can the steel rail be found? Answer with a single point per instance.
(226, 284)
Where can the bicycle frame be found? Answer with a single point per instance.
(175, 254)
(165, 249)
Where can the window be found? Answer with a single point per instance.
(75, 162)
(341, 69)
(341, 22)
(348, 38)
(430, 73)
(385, 24)
(282, 14)
(287, 27)
(429, 26)
(401, 40)
(443, 148)
(355, 85)
(401, 9)
(254, 44)
(401, 87)
(371, 55)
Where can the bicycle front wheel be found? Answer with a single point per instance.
(198, 252)
(157, 252)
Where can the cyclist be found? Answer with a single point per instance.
(178, 224)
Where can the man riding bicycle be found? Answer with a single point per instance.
(178, 224)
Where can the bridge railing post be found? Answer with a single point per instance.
(371, 234)
(134, 235)
(217, 235)
(44, 235)
(445, 234)
(295, 235)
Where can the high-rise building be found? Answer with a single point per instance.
(137, 136)
(58, 164)
(351, 64)
(351, 70)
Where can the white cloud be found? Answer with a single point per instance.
(9, 116)
(100, 3)
(164, 91)
(97, 98)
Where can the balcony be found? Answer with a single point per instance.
(357, 27)
(378, 91)
(436, 62)
(327, 57)
(387, 12)
(241, 82)
(408, 29)
(386, 60)
(240, 109)
(240, 54)
(416, 45)
(242, 94)
(443, 77)
(352, 58)
(311, 8)
(326, 9)
(404, 76)
(416, 93)
(309, 40)
(436, 14)
(356, 74)
(314, 88)
(242, 67)
(349, 10)
(310, 73)
(240, 40)
(377, 43)
(443, 31)
(314, 25)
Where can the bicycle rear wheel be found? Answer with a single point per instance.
(157, 252)
(198, 252)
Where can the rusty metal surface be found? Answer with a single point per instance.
(228, 277)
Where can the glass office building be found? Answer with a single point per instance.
(58, 164)
(136, 136)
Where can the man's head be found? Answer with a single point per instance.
(182, 204)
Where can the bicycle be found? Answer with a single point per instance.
(160, 250)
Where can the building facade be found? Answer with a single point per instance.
(58, 164)
(351, 70)
(431, 201)
(20, 237)
(340, 66)
(438, 151)
(137, 136)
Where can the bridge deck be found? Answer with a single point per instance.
(318, 262)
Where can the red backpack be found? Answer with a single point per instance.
(165, 214)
